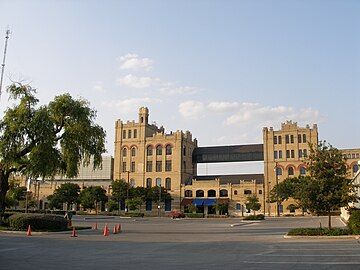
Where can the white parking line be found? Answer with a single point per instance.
(312, 263)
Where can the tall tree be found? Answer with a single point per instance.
(67, 193)
(253, 203)
(41, 141)
(90, 197)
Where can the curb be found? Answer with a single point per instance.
(321, 237)
(41, 233)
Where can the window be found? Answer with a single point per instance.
(292, 154)
(148, 206)
(287, 153)
(353, 156)
(278, 171)
(129, 134)
(159, 150)
(168, 149)
(355, 168)
(238, 207)
(291, 171)
(168, 183)
(305, 153)
(200, 193)
(280, 154)
(279, 139)
(235, 192)
(184, 166)
(300, 153)
(299, 138)
(158, 166)
(275, 154)
(149, 166)
(184, 151)
(124, 167)
(223, 193)
(148, 183)
(302, 171)
(135, 133)
(168, 165)
(133, 166)
(158, 182)
(260, 191)
(291, 138)
(275, 139)
(124, 152)
(149, 150)
(247, 192)
(168, 205)
(304, 138)
(188, 193)
(357, 155)
(211, 193)
(286, 138)
(132, 183)
(124, 134)
(133, 152)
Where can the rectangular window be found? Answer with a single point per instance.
(279, 140)
(148, 205)
(124, 167)
(299, 138)
(291, 138)
(158, 166)
(133, 166)
(184, 151)
(292, 154)
(300, 153)
(149, 166)
(304, 138)
(287, 153)
(275, 140)
(124, 134)
(129, 134)
(286, 138)
(135, 133)
(280, 153)
(305, 153)
(238, 206)
(168, 165)
(158, 182)
(275, 154)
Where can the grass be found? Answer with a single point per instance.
(319, 232)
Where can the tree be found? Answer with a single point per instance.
(253, 203)
(134, 203)
(16, 194)
(41, 141)
(67, 193)
(119, 190)
(91, 196)
(222, 208)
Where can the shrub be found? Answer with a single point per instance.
(194, 215)
(354, 222)
(255, 217)
(38, 222)
(319, 231)
(176, 214)
(134, 214)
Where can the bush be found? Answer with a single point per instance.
(354, 222)
(176, 214)
(194, 215)
(319, 231)
(255, 217)
(38, 222)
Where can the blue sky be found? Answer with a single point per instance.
(221, 69)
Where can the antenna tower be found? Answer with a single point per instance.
(7, 34)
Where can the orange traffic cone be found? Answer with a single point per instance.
(106, 230)
(115, 231)
(118, 228)
(95, 226)
(74, 233)
(28, 233)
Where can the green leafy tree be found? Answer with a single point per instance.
(253, 203)
(67, 193)
(222, 208)
(90, 197)
(134, 203)
(157, 193)
(40, 141)
(112, 205)
(119, 190)
(16, 194)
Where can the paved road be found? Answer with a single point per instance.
(180, 244)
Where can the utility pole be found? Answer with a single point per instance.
(7, 34)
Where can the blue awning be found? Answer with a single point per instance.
(209, 202)
(204, 202)
(198, 202)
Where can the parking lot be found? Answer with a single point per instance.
(162, 243)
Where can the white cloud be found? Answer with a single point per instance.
(192, 109)
(98, 86)
(133, 81)
(134, 62)
(130, 104)
(222, 106)
(170, 89)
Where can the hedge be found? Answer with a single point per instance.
(255, 217)
(319, 231)
(354, 222)
(38, 222)
(194, 215)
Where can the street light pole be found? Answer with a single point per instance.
(127, 192)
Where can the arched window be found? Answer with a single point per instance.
(132, 182)
(278, 171)
(291, 171)
(188, 193)
(133, 152)
(148, 183)
(235, 192)
(158, 182)
(247, 192)
(355, 168)
(149, 150)
(159, 150)
(302, 170)
(211, 193)
(223, 193)
(200, 193)
(168, 149)
(168, 183)
(124, 152)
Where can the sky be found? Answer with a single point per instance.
(221, 69)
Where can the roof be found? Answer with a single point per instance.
(232, 178)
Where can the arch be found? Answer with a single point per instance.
(159, 149)
(211, 193)
(223, 193)
(235, 192)
(279, 171)
(302, 170)
(158, 182)
(124, 151)
(199, 193)
(133, 151)
(290, 165)
(302, 165)
(149, 150)
(188, 193)
(168, 149)
(148, 182)
(247, 192)
(291, 171)
(168, 183)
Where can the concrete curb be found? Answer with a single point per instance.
(41, 233)
(321, 237)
